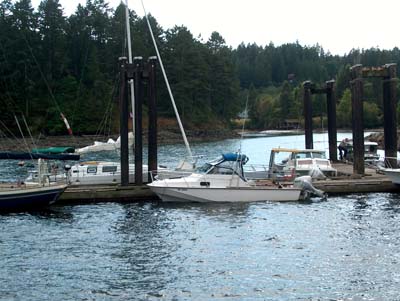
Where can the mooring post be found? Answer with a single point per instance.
(357, 118)
(308, 114)
(138, 70)
(152, 147)
(331, 112)
(389, 115)
(123, 122)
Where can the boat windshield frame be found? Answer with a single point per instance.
(223, 166)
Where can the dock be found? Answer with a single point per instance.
(347, 182)
(344, 183)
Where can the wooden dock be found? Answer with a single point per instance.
(345, 183)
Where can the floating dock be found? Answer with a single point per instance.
(345, 183)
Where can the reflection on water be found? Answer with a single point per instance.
(345, 248)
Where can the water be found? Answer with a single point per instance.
(345, 248)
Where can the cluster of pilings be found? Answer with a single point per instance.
(143, 75)
(358, 73)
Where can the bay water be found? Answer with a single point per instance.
(344, 248)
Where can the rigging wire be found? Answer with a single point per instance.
(168, 86)
(23, 137)
(49, 89)
(29, 131)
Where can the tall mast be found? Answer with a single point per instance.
(128, 38)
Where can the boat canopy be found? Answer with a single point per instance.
(54, 150)
(235, 157)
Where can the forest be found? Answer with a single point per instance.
(51, 63)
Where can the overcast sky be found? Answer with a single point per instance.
(338, 26)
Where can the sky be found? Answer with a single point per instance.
(338, 26)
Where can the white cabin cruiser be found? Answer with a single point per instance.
(299, 162)
(222, 180)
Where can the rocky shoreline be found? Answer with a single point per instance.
(169, 136)
(165, 136)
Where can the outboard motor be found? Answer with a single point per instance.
(316, 173)
(308, 190)
(67, 169)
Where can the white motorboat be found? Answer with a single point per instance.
(86, 173)
(299, 162)
(393, 174)
(222, 180)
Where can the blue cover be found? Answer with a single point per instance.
(235, 157)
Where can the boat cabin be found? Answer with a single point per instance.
(227, 164)
(370, 151)
(289, 163)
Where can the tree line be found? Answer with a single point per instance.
(52, 63)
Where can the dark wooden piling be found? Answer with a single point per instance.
(389, 114)
(138, 69)
(123, 124)
(331, 112)
(152, 137)
(308, 128)
(356, 84)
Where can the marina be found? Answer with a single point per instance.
(282, 193)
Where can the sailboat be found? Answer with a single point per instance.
(22, 196)
(28, 197)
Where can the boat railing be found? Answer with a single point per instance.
(168, 174)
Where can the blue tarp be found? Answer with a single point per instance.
(235, 157)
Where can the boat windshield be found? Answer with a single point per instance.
(204, 168)
(304, 155)
(226, 168)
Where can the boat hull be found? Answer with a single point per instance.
(393, 174)
(231, 195)
(19, 199)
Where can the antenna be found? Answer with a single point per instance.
(244, 122)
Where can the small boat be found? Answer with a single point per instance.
(110, 145)
(28, 197)
(299, 162)
(223, 180)
(371, 155)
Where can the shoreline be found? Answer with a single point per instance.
(164, 137)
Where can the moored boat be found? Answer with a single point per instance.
(299, 162)
(223, 180)
(28, 197)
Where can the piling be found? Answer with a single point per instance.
(308, 130)
(138, 69)
(331, 112)
(356, 84)
(152, 106)
(123, 124)
(389, 114)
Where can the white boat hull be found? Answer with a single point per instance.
(232, 194)
(393, 174)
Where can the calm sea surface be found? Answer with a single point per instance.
(345, 248)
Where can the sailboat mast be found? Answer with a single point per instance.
(128, 38)
(189, 151)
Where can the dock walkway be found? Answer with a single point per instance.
(345, 183)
